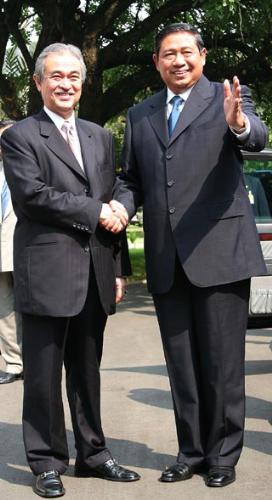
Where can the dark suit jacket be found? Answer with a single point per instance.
(191, 186)
(58, 208)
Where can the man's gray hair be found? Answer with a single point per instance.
(60, 48)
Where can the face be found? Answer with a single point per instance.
(179, 61)
(61, 84)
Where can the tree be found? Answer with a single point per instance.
(116, 38)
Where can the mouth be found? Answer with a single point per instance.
(64, 95)
(180, 73)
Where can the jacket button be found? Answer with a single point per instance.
(169, 156)
(86, 249)
(172, 210)
(170, 183)
(86, 190)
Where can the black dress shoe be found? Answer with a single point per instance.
(49, 485)
(7, 378)
(219, 476)
(177, 472)
(109, 470)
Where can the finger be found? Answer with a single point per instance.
(116, 227)
(119, 294)
(109, 224)
(122, 216)
(227, 89)
(236, 88)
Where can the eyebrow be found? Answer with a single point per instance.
(76, 71)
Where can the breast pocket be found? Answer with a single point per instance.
(226, 209)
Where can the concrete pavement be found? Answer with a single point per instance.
(138, 419)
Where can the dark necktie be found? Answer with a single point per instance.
(173, 118)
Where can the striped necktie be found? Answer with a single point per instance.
(70, 137)
(5, 197)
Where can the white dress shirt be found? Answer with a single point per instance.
(59, 121)
(184, 95)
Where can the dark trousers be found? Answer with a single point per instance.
(203, 335)
(47, 342)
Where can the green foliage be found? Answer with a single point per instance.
(117, 127)
(237, 34)
(138, 264)
(132, 236)
(16, 70)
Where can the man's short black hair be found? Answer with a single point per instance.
(176, 28)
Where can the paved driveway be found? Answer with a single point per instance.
(138, 419)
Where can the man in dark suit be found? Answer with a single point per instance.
(182, 162)
(68, 270)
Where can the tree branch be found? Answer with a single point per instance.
(121, 95)
(110, 54)
(12, 18)
(106, 13)
(4, 36)
(9, 98)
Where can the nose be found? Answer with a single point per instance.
(65, 83)
(179, 59)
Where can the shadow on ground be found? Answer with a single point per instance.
(128, 453)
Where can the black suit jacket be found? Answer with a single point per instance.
(58, 207)
(191, 187)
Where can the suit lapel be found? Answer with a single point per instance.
(157, 116)
(87, 148)
(56, 143)
(198, 100)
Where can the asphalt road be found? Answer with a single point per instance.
(138, 419)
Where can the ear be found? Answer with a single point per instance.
(37, 82)
(156, 61)
(203, 56)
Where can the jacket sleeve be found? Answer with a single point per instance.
(121, 253)
(257, 138)
(34, 198)
(128, 185)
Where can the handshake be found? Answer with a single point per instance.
(113, 216)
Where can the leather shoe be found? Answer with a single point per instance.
(177, 472)
(7, 378)
(49, 485)
(109, 470)
(219, 476)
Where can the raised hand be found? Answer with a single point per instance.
(232, 104)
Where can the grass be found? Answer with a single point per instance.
(138, 264)
(135, 235)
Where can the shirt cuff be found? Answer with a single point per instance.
(244, 132)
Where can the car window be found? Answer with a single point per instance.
(258, 180)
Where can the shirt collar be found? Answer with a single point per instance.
(184, 94)
(59, 120)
